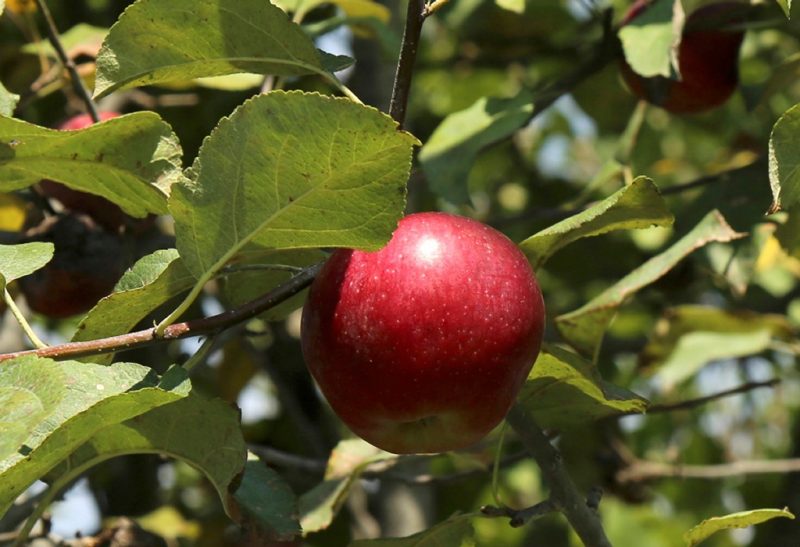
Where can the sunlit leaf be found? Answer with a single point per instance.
(784, 160)
(786, 6)
(131, 160)
(20, 260)
(638, 205)
(742, 519)
(650, 39)
(8, 101)
(584, 328)
(79, 35)
(456, 531)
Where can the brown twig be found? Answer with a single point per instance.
(520, 517)
(641, 470)
(694, 403)
(405, 64)
(195, 327)
(55, 41)
(563, 493)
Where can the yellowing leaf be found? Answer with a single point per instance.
(742, 519)
(12, 213)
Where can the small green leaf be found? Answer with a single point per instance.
(8, 101)
(456, 531)
(155, 42)
(650, 40)
(515, 6)
(563, 390)
(288, 171)
(264, 498)
(784, 160)
(584, 327)
(20, 260)
(69, 402)
(786, 6)
(639, 205)
(131, 160)
(151, 282)
(448, 155)
(742, 519)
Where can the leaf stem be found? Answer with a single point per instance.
(26, 327)
(77, 82)
(405, 64)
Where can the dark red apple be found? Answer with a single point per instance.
(423, 346)
(708, 59)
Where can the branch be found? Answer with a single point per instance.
(519, 517)
(405, 64)
(55, 41)
(641, 470)
(694, 403)
(195, 327)
(563, 492)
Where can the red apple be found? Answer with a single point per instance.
(423, 346)
(707, 57)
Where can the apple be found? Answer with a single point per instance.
(422, 346)
(103, 211)
(707, 57)
(87, 263)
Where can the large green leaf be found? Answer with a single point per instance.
(584, 327)
(784, 160)
(20, 260)
(264, 498)
(649, 41)
(155, 41)
(742, 519)
(292, 170)
(564, 390)
(639, 205)
(448, 155)
(57, 406)
(204, 433)
(131, 160)
(456, 531)
(8, 101)
(151, 282)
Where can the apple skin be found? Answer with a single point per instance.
(708, 61)
(422, 347)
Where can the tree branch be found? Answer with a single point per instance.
(642, 470)
(520, 517)
(563, 492)
(55, 41)
(405, 64)
(195, 327)
(694, 403)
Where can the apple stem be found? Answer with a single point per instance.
(77, 82)
(582, 515)
(26, 328)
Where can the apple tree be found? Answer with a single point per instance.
(180, 179)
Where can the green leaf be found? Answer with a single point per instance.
(80, 34)
(786, 6)
(62, 405)
(204, 433)
(515, 6)
(8, 101)
(151, 282)
(650, 40)
(456, 531)
(155, 42)
(564, 390)
(263, 497)
(448, 155)
(347, 461)
(20, 260)
(639, 205)
(131, 160)
(292, 170)
(584, 327)
(784, 160)
(742, 519)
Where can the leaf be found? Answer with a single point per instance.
(155, 41)
(347, 461)
(742, 519)
(650, 40)
(8, 100)
(81, 34)
(292, 170)
(265, 498)
(639, 205)
(204, 433)
(20, 260)
(784, 160)
(13, 212)
(515, 6)
(364, 9)
(584, 327)
(131, 160)
(64, 404)
(563, 390)
(152, 281)
(456, 531)
(786, 6)
(448, 155)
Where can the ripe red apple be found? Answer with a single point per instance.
(422, 346)
(104, 212)
(87, 263)
(707, 57)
